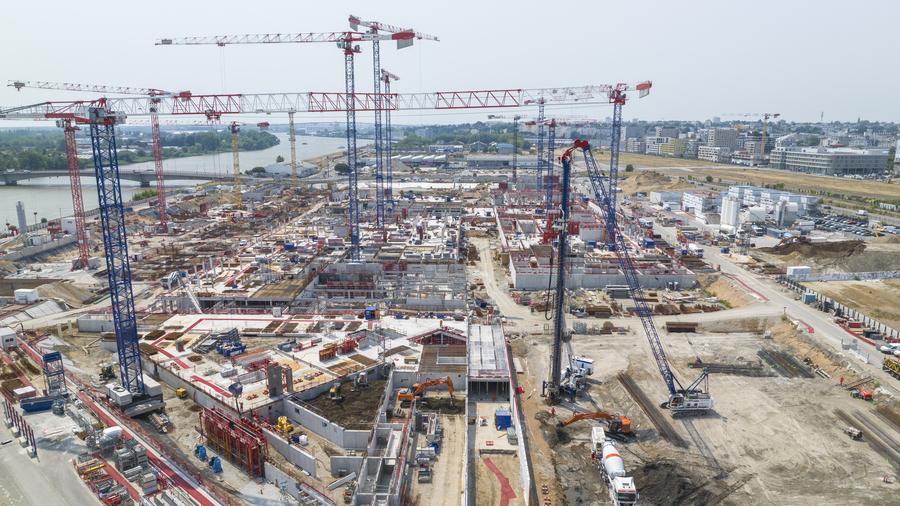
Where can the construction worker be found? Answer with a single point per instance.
(593, 455)
(553, 411)
(842, 381)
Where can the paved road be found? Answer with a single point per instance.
(48, 480)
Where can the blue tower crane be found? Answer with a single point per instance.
(694, 399)
(118, 269)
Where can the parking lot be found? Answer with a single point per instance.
(850, 226)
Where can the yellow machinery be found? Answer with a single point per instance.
(283, 425)
(335, 393)
(181, 393)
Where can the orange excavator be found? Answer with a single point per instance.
(794, 238)
(616, 426)
(407, 394)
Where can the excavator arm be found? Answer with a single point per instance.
(418, 389)
(625, 422)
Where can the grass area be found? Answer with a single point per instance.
(793, 181)
(639, 160)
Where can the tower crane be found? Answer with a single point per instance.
(387, 77)
(235, 129)
(152, 93)
(683, 401)
(102, 121)
(374, 27)
(345, 42)
(515, 119)
(765, 116)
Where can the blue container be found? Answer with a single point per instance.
(725, 250)
(502, 419)
(538, 211)
(448, 199)
(808, 298)
(487, 213)
(648, 242)
(371, 312)
(236, 388)
(592, 244)
(289, 246)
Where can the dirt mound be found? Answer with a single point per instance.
(445, 405)
(886, 239)
(73, 295)
(842, 256)
(664, 483)
(651, 180)
(356, 408)
(819, 250)
(726, 290)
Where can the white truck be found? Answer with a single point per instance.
(606, 456)
(695, 250)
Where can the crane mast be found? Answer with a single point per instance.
(118, 268)
(682, 401)
(77, 199)
(387, 77)
(293, 140)
(235, 129)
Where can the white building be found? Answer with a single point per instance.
(829, 161)
(701, 202)
(714, 154)
(653, 143)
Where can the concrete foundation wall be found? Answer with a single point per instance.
(348, 439)
(349, 464)
(293, 453)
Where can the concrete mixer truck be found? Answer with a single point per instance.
(606, 456)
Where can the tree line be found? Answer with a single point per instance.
(31, 150)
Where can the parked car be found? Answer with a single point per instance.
(890, 349)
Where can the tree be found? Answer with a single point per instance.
(43, 220)
(257, 170)
(709, 179)
(812, 140)
(891, 153)
(279, 159)
(342, 168)
(629, 168)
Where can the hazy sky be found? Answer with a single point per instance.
(705, 58)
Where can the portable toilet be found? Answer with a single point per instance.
(371, 313)
(502, 419)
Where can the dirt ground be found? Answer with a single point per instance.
(356, 408)
(879, 254)
(650, 181)
(488, 486)
(447, 482)
(763, 444)
(726, 290)
(877, 298)
(639, 160)
(792, 181)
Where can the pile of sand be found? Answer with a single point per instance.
(651, 180)
(879, 254)
(73, 295)
(725, 289)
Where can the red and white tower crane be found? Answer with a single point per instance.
(154, 95)
(346, 41)
(375, 27)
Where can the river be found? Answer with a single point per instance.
(51, 197)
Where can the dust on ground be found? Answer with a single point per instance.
(446, 405)
(726, 290)
(840, 256)
(652, 180)
(357, 407)
(876, 298)
(73, 295)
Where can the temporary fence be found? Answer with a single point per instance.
(845, 311)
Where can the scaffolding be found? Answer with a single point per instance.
(242, 442)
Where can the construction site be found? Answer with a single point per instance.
(527, 336)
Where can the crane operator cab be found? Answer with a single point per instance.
(688, 403)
